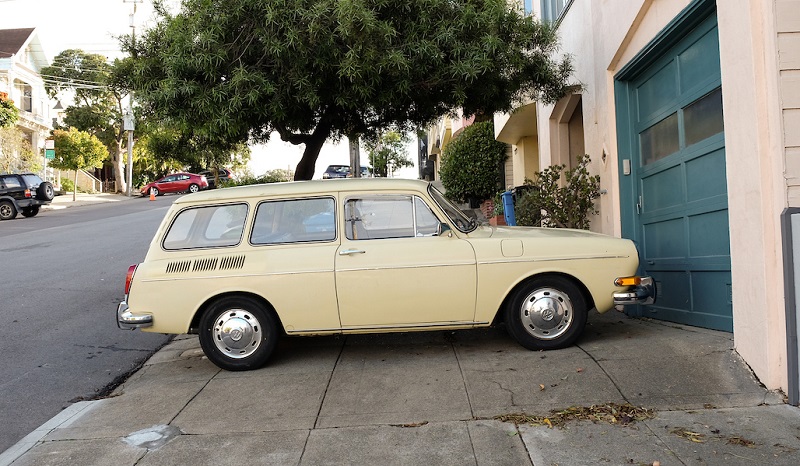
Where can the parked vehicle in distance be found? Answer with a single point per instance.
(242, 266)
(336, 171)
(223, 175)
(176, 183)
(23, 193)
(342, 171)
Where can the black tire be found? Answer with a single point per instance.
(546, 313)
(193, 188)
(30, 211)
(45, 191)
(237, 333)
(8, 210)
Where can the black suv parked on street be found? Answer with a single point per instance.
(23, 193)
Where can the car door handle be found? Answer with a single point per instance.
(347, 252)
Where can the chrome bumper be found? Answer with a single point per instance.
(645, 293)
(128, 320)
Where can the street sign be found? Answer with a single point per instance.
(49, 154)
(49, 144)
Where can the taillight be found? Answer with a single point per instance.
(129, 278)
(27, 193)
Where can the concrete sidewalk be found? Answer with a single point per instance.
(81, 199)
(434, 398)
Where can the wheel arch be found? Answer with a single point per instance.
(500, 314)
(195, 323)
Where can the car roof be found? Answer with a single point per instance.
(309, 188)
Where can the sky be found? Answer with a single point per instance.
(92, 25)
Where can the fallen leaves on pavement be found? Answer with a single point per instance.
(612, 413)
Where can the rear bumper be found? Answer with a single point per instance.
(644, 293)
(128, 320)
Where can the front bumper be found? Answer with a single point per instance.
(643, 293)
(128, 320)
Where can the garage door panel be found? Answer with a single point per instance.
(657, 92)
(706, 176)
(708, 235)
(694, 64)
(662, 190)
(664, 240)
(711, 292)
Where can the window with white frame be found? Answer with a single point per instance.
(552, 10)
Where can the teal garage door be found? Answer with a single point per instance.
(676, 205)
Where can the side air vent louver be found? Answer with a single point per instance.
(179, 267)
(231, 262)
(204, 264)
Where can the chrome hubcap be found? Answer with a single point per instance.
(546, 313)
(237, 333)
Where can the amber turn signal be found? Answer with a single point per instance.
(628, 281)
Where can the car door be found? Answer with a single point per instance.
(166, 184)
(393, 269)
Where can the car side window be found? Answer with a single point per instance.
(294, 221)
(390, 216)
(12, 182)
(207, 227)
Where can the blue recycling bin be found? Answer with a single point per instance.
(508, 208)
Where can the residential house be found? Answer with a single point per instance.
(21, 60)
(690, 111)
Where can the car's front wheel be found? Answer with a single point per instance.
(193, 188)
(154, 191)
(7, 210)
(237, 333)
(30, 211)
(546, 313)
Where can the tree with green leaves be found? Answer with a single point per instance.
(388, 153)
(16, 155)
(318, 70)
(77, 150)
(98, 101)
(9, 113)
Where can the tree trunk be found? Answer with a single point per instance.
(119, 169)
(314, 142)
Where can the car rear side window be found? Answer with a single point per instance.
(294, 221)
(12, 182)
(207, 227)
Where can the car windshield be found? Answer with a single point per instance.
(456, 216)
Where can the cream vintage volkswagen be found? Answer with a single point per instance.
(242, 266)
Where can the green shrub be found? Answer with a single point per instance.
(547, 203)
(272, 176)
(471, 164)
(67, 185)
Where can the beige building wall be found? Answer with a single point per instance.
(760, 68)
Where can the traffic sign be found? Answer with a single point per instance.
(49, 154)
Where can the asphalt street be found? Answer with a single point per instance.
(63, 274)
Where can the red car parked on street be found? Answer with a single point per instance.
(176, 183)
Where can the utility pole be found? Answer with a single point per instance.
(128, 119)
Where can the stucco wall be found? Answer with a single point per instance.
(756, 188)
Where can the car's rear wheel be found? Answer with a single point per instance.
(30, 211)
(193, 188)
(7, 210)
(237, 333)
(46, 191)
(546, 312)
